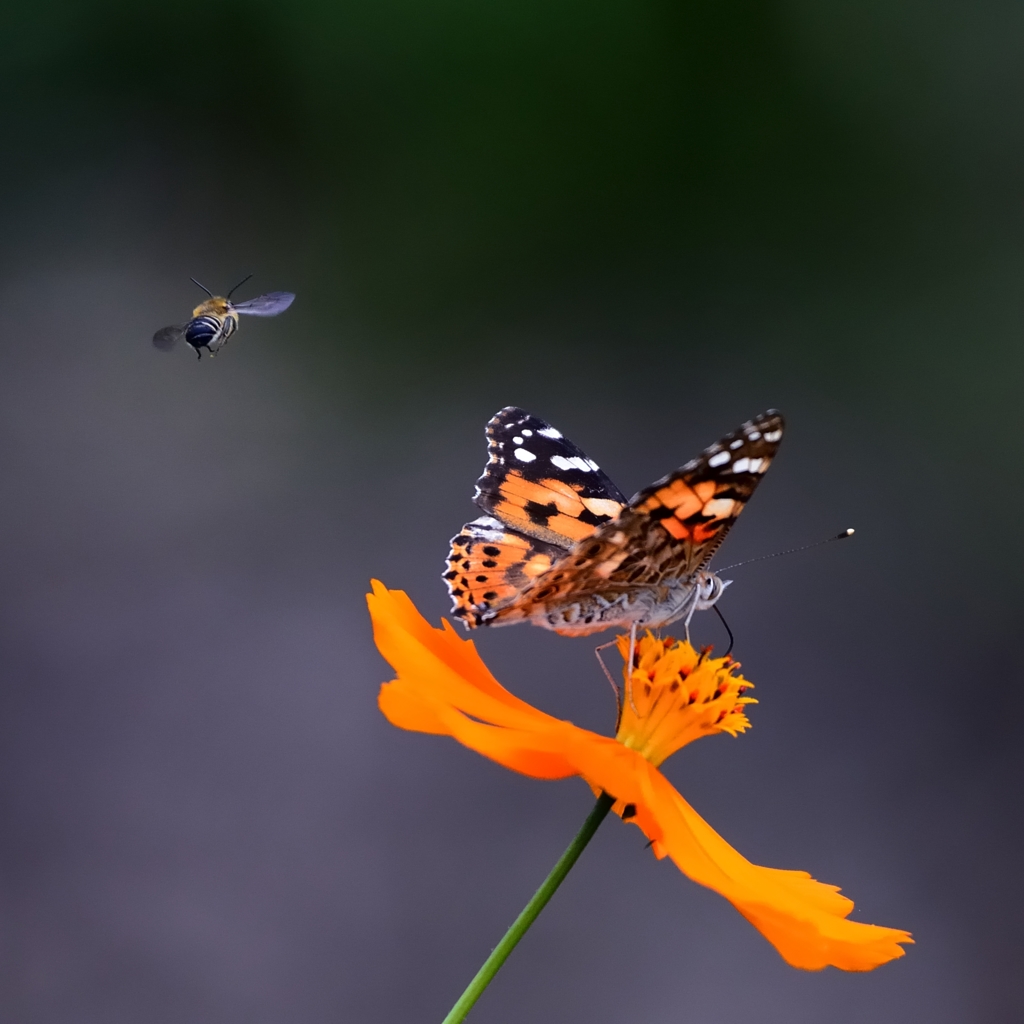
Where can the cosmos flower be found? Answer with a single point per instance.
(672, 696)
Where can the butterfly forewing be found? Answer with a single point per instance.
(538, 482)
(698, 503)
(671, 529)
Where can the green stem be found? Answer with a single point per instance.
(530, 912)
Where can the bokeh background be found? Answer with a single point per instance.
(643, 220)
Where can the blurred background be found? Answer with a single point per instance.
(644, 221)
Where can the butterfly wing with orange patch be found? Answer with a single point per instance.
(489, 565)
(698, 503)
(668, 531)
(543, 494)
(539, 483)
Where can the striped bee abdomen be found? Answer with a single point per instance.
(202, 330)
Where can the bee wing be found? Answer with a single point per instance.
(167, 337)
(265, 305)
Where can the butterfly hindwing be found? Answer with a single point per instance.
(539, 483)
(490, 565)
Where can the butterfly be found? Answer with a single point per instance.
(561, 547)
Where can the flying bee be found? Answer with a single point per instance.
(216, 319)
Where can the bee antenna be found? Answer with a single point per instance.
(790, 551)
(239, 285)
(203, 286)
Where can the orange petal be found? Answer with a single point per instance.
(439, 662)
(442, 681)
(407, 709)
(804, 919)
(537, 754)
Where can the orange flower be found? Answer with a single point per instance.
(672, 697)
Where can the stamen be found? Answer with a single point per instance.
(662, 714)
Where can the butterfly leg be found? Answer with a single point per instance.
(694, 605)
(608, 675)
(629, 667)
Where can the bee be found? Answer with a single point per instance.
(216, 319)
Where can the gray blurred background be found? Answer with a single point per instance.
(645, 222)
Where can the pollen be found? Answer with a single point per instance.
(674, 695)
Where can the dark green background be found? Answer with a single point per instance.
(643, 221)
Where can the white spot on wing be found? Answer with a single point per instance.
(720, 508)
(485, 528)
(717, 460)
(593, 465)
(602, 506)
(527, 433)
(738, 443)
(517, 440)
(754, 435)
(741, 466)
(755, 466)
(772, 435)
(550, 432)
(575, 462)
(523, 455)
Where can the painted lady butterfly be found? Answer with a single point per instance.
(562, 548)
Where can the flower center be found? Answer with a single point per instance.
(675, 695)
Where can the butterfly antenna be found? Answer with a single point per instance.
(203, 286)
(732, 639)
(789, 551)
(239, 285)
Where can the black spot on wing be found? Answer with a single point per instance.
(540, 514)
(661, 512)
(591, 518)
